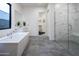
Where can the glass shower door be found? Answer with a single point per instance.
(67, 26)
(74, 28)
(61, 24)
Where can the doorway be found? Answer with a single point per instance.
(42, 23)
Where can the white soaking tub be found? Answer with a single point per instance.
(14, 44)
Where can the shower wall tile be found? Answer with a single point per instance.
(61, 21)
(74, 21)
(74, 18)
(50, 21)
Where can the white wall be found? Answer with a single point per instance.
(74, 17)
(31, 17)
(7, 31)
(57, 14)
(50, 21)
(74, 22)
(61, 14)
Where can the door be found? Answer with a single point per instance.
(74, 28)
(61, 24)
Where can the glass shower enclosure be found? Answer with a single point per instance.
(66, 24)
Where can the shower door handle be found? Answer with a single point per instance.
(70, 27)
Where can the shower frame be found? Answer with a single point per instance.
(67, 23)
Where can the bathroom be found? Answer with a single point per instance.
(57, 21)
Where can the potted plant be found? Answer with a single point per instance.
(18, 23)
(24, 23)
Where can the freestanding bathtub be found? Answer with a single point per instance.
(14, 45)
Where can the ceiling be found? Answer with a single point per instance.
(33, 4)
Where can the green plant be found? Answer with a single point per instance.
(18, 23)
(24, 23)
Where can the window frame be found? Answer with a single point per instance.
(9, 18)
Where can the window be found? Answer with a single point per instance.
(5, 16)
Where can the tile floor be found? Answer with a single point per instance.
(42, 46)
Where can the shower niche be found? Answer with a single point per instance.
(42, 22)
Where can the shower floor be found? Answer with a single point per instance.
(42, 46)
(71, 46)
